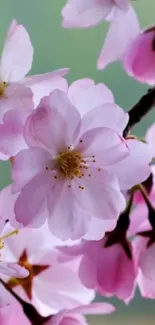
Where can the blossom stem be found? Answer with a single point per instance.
(145, 196)
(138, 111)
(151, 215)
(124, 220)
(29, 310)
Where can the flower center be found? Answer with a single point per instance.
(68, 163)
(27, 283)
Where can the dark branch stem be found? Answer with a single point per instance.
(137, 112)
(30, 311)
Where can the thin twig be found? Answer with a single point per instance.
(141, 109)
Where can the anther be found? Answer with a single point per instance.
(81, 141)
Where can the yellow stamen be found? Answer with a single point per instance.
(68, 164)
(15, 232)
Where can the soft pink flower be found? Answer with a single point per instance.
(73, 166)
(109, 270)
(66, 171)
(50, 286)
(18, 95)
(124, 25)
(83, 14)
(139, 57)
(75, 316)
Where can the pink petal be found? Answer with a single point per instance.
(139, 220)
(95, 309)
(116, 273)
(28, 164)
(135, 168)
(36, 192)
(139, 58)
(108, 115)
(104, 144)
(17, 55)
(11, 133)
(54, 124)
(146, 286)
(7, 210)
(85, 95)
(123, 29)
(101, 196)
(16, 97)
(97, 228)
(12, 313)
(67, 218)
(79, 13)
(147, 263)
(60, 288)
(42, 85)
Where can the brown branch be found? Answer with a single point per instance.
(142, 108)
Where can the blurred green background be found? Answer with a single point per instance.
(56, 48)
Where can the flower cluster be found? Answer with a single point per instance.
(78, 218)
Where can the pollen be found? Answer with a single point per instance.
(3, 85)
(68, 164)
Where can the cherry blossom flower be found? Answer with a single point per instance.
(69, 175)
(139, 57)
(19, 95)
(50, 286)
(72, 163)
(124, 25)
(83, 14)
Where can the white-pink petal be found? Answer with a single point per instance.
(85, 95)
(124, 27)
(108, 115)
(83, 14)
(17, 55)
(35, 192)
